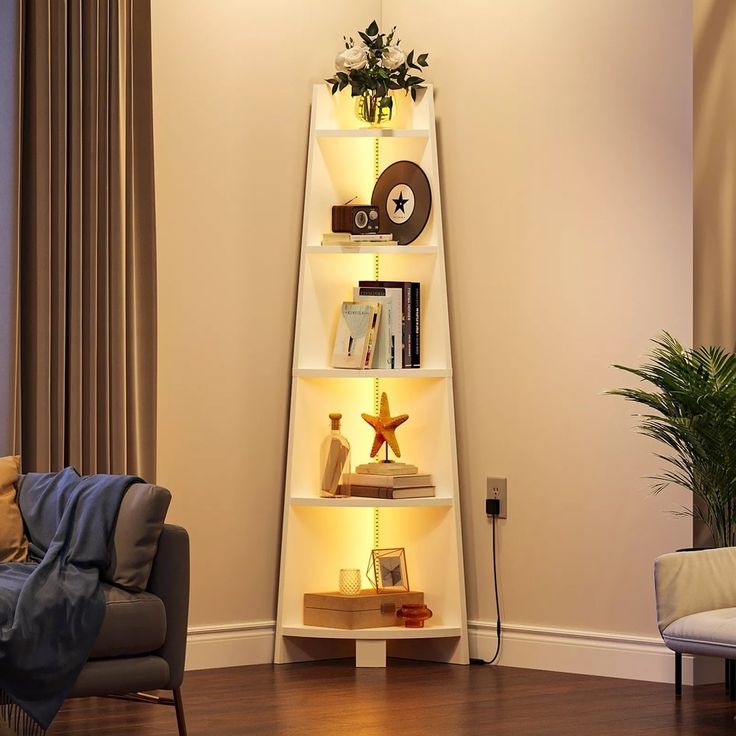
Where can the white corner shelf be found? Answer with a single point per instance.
(320, 536)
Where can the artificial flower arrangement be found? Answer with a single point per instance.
(373, 68)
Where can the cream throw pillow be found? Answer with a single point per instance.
(13, 542)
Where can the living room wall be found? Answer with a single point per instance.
(567, 159)
(232, 88)
(565, 142)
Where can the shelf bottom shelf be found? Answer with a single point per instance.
(382, 633)
(438, 643)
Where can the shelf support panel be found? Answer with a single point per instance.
(370, 652)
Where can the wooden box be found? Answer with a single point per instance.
(364, 611)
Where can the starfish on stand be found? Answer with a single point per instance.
(385, 424)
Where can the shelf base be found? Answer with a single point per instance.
(439, 643)
(370, 652)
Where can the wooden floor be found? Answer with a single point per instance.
(408, 699)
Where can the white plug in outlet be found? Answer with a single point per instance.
(496, 488)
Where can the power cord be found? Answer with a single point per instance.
(492, 509)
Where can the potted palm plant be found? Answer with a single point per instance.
(693, 413)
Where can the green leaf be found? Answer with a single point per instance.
(692, 395)
(410, 59)
(334, 88)
(372, 29)
(414, 81)
(414, 94)
(368, 40)
(422, 60)
(342, 86)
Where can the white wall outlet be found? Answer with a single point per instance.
(496, 488)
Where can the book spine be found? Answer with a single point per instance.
(390, 481)
(372, 336)
(405, 318)
(416, 360)
(391, 493)
(406, 358)
(371, 492)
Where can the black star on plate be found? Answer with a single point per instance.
(400, 202)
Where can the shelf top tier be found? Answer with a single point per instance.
(334, 115)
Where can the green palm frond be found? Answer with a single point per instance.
(693, 400)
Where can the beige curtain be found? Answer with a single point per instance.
(87, 238)
(714, 195)
(714, 182)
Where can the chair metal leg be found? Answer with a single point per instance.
(176, 701)
(179, 706)
(678, 675)
(732, 679)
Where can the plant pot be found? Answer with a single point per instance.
(374, 109)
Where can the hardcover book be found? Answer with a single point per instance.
(339, 238)
(414, 480)
(389, 328)
(410, 318)
(391, 493)
(356, 335)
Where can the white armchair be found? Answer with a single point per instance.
(696, 607)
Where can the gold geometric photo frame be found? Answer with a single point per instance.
(387, 570)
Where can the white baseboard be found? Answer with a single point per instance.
(230, 645)
(538, 648)
(588, 653)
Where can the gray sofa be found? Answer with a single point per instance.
(142, 643)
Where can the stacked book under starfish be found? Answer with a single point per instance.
(388, 479)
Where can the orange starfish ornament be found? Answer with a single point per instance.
(385, 424)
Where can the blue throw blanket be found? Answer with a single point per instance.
(51, 612)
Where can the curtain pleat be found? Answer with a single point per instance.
(10, 65)
(88, 273)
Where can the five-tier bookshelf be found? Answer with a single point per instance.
(323, 535)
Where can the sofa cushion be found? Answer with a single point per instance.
(712, 633)
(134, 623)
(140, 520)
(13, 542)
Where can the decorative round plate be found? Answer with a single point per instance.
(404, 199)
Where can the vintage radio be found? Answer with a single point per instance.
(355, 219)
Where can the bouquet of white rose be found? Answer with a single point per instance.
(376, 66)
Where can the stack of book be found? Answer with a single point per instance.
(368, 485)
(347, 239)
(380, 327)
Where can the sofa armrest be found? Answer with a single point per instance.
(170, 581)
(692, 582)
